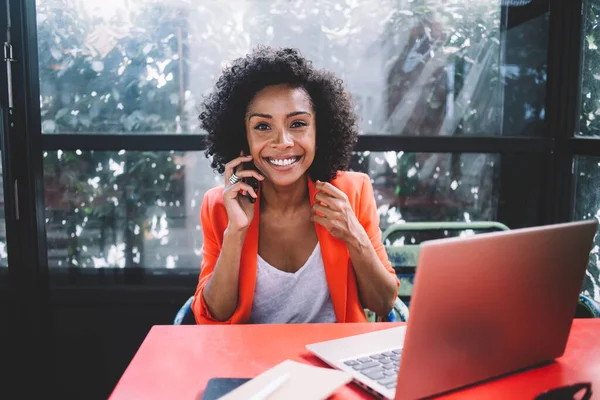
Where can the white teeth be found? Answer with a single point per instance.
(283, 162)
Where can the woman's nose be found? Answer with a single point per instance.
(283, 139)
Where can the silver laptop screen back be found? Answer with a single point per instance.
(491, 304)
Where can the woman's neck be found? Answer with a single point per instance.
(284, 200)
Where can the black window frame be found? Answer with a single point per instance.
(559, 143)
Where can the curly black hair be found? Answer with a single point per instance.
(223, 112)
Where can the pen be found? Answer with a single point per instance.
(270, 388)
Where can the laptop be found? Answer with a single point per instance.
(482, 306)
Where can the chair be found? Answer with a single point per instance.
(399, 313)
(587, 308)
(183, 311)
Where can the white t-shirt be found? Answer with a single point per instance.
(287, 298)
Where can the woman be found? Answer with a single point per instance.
(303, 243)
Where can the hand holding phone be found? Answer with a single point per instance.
(239, 195)
(251, 180)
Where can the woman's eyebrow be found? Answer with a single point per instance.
(293, 114)
(259, 115)
(269, 116)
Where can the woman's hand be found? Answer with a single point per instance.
(240, 210)
(332, 210)
(376, 285)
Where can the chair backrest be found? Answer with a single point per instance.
(587, 308)
(183, 311)
(402, 242)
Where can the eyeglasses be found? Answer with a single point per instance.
(567, 392)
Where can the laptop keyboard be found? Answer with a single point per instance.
(380, 367)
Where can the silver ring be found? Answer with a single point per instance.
(234, 179)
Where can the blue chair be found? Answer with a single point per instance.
(587, 308)
(183, 311)
(399, 313)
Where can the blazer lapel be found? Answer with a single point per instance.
(248, 260)
(335, 260)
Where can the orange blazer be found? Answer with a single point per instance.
(336, 259)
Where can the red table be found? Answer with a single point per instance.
(175, 362)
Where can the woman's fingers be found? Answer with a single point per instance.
(328, 200)
(319, 220)
(233, 164)
(330, 190)
(233, 190)
(249, 173)
(321, 210)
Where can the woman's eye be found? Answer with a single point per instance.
(298, 124)
(261, 127)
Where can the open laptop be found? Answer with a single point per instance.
(482, 306)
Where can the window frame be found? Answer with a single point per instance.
(559, 143)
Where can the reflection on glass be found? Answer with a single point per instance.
(123, 209)
(590, 89)
(3, 253)
(118, 209)
(586, 206)
(438, 187)
(418, 67)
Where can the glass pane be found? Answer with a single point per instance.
(590, 89)
(414, 67)
(444, 187)
(127, 209)
(117, 209)
(586, 206)
(3, 254)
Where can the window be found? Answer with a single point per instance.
(414, 67)
(432, 186)
(127, 209)
(590, 87)
(117, 209)
(587, 205)
(586, 168)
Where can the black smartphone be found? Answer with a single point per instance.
(253, 182)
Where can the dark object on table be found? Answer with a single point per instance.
(218, 387)
(568, 392)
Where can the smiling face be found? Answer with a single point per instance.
(281, 133)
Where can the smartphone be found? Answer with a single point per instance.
(253, 182)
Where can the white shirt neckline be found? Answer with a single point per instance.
(261, 261)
